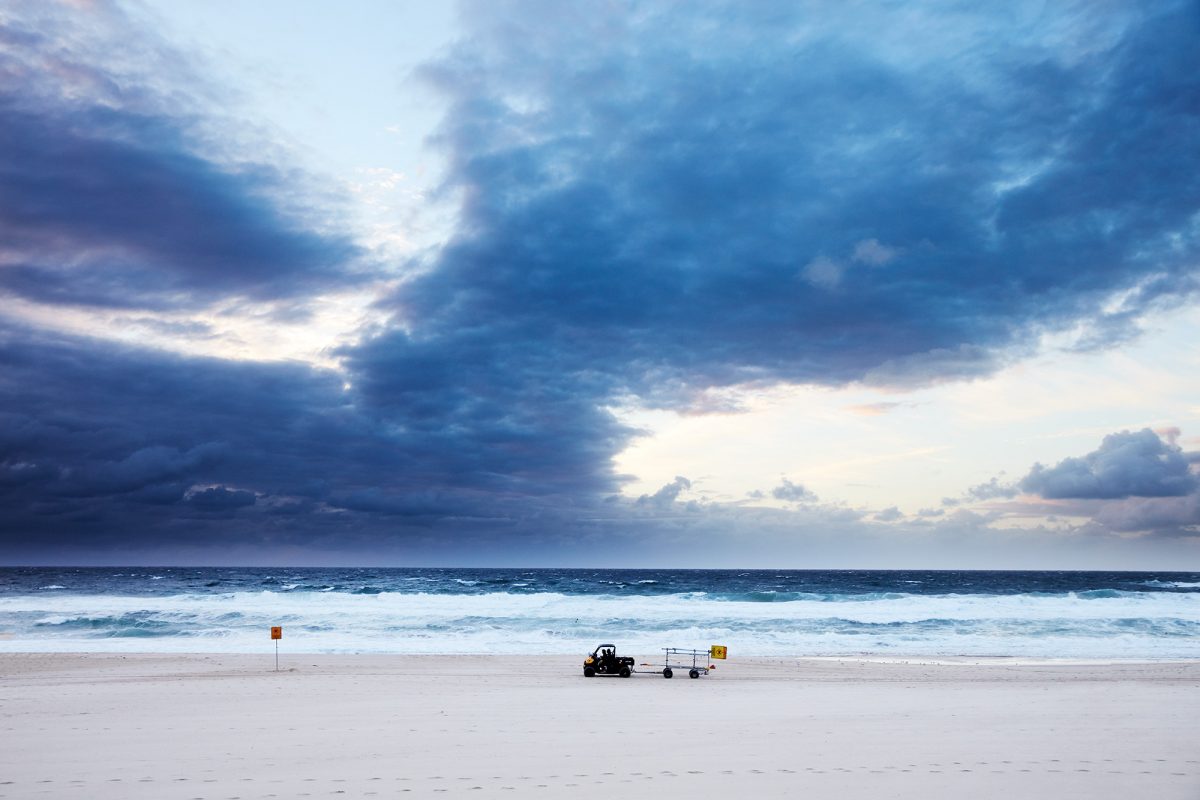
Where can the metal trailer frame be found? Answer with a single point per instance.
(695, 669)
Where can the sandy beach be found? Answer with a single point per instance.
(228, 726)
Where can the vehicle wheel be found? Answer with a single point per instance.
(625, 673)
(667, 672)
(589, 672)
(694, 673)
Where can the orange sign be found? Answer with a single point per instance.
(718, 651)
(276, 632)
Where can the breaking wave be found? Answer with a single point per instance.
(1098, 623)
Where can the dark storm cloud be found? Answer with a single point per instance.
(122, 450)
(107, 196)
(107, 446)
(724, 194)
(115, 445)
(656, 201)
(1127, 464)
(219, 498)
(659, 203)
(492, 411)
(142, 468)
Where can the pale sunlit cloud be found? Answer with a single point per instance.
(880, 449)
(241, 331)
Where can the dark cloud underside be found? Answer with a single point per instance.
(1127, 464)
(646, 193)
(107, 197)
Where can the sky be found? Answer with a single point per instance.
(790, 285)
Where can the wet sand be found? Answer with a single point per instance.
(228, 726)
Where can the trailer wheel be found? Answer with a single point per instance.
(589, 672)
(625, 673)
(667, 672)
(694, 673)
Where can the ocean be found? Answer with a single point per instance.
(1068, 615)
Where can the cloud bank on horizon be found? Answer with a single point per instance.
(653, 203)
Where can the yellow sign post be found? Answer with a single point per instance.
(276, 634)
(718, 651)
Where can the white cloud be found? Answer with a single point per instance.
(823, 272)
(872, 253)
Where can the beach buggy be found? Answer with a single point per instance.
(605, 661)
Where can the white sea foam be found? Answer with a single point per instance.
(1087, 625)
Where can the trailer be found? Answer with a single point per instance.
(604, 661)
(676, 658)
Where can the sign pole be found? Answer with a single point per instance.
(276, 634)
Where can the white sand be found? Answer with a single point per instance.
(154, 726)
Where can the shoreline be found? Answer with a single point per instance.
(154, 725)
(960, 659)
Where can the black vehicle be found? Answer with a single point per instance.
(605, 661)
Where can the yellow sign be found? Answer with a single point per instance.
(277, 633)
(718, 651)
